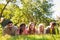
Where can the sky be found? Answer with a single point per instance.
(56, 7)
(2, 1)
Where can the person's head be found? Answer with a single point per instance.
(22, 28)
(52, 24)
(10, 24)
(41, 27)
(31, 26)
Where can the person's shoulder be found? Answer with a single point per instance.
(47, 27)
(5, 27)
(15, 27)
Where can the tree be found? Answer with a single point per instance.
(32, 11)
(4, 8)
(36, 10)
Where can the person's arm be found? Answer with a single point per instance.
(16, 31)
(36, 31)
(4, 31)
(44, 31)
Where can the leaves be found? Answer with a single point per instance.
(33, 11)
(11, 0)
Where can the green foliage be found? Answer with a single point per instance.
(1, 7)
(32, 11)
(29, 37)
(11, 0)
(37, 12)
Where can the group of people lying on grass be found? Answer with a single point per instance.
(10, 29)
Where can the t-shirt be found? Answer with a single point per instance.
(10, 31)
(50, 30)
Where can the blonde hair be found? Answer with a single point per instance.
(40, 25)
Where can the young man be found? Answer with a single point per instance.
(10, 29)
(51, 29)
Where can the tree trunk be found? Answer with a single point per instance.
(3, 9)
(2, 12)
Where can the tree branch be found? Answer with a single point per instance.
(3, 9)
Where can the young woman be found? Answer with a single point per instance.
(22, 29)
(32, 29)
(41, 29)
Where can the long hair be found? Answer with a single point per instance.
(30, 31)
(41, 28)
(21, 28)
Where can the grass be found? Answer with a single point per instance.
(29, 37)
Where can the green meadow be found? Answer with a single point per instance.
(26, 11)
(30, 37)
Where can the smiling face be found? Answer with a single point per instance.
(10, 25)
(22, 27)
(41, 28)
(32, 26)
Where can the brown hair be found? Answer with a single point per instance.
(21, 26)
(30, 31)
(53, 23)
